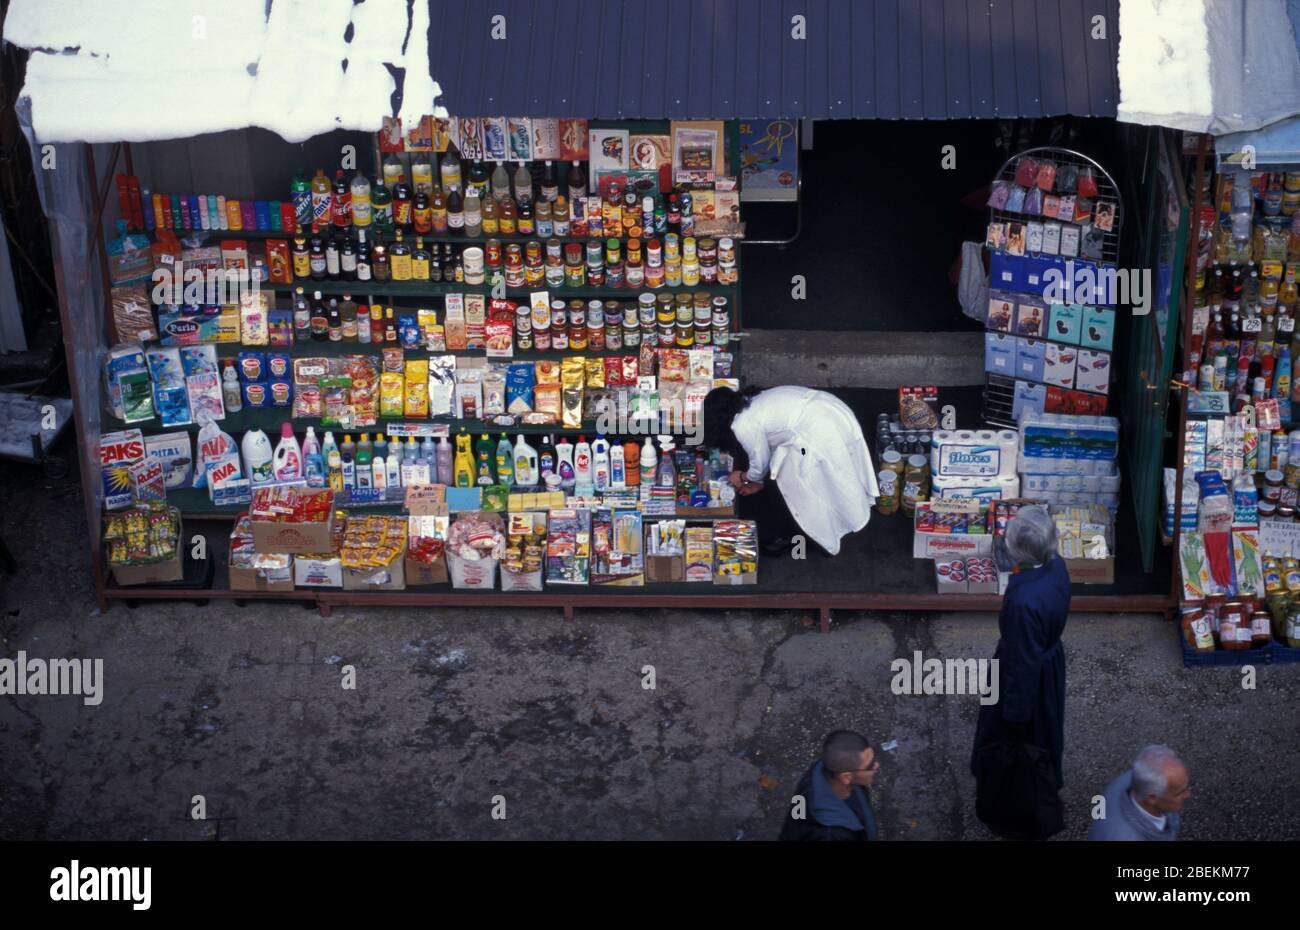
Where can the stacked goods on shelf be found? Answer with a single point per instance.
(1053, 239)
(1067, 459)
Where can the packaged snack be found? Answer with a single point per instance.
(519, 389)
(307, 373)
(595, 373)
(442, 385)
(133, 314)
(631, 369)
(674, 365)
(546, 401)
(548, 372)
(336, 409)
(393, 360)
(572, 377)
(469, 393)
(918, 407)
(494, 392)
(408, 330)
(252, 366)
(391, 394)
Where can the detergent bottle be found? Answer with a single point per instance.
(632, 463)
(546, 458)
(287, 459)
(463, 471)
(582, 463)
(505, 462)
(649, 461)
(564, 463)
(484, 453)
(256, 449)
(617, 466)
(666, 474)
(442, 462)
(526, 474)
(600, 463)
(313, 460)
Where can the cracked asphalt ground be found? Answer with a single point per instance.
(453, 709)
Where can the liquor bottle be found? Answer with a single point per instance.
(335, 322)
(420, 261)
(379, 266)
(301, 256)
(478, 181)
(491, 225)
(422, 175)
(348, 318)
(500, 183)
(361, 210)
(402, 206)
(376, 323)
(317, 254)
(422, 214)
(577, 181)
(400, 259)
(473, 214)
(523, 184)
(348, 259)
(320, 321)
(524, 222)
(550, 182)
(341, 203)
(455, 213)
(333, 267)
(364, 270)
(438, 212)
(449, 169)
(394, 171)
(435, 264)
(508, 218)
(301, 316)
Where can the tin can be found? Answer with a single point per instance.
(492, 251)
(654, 276)
(595, 277)
(672, 248)
(614, 275)
(555, 276)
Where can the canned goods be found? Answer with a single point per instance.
(654, 276)
(614, 275)
(492, 248)
(555, 275)
(726, 250)
(595, 254)
(595, 277)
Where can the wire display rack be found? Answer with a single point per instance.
(999, 391)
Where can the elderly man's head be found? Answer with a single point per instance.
(1031, 536)
(1160, 780)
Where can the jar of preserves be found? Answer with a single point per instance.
(1272, 485)
(1292, 632)
(523, 327)
(916, 483)
(672, 274)
(1260, 629)
(1196, 631)
(1213, 608)
(728, 273)
(890, 483)
(1234, 626)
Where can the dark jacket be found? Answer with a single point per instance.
(826, 816)
(1031, 664)
(1123, 820)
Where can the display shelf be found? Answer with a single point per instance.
(436, 289)
(409, 236)
(312, 348)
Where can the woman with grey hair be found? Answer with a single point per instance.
(1031, 660)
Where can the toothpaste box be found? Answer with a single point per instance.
(1058, 364)
(118, 452)
(1098, 328)
(1093, 372)
(1064, 323)
(172, 451)
(1029, 359)
(1000, 354)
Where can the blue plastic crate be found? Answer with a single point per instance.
(1283, 655)
(1225, 658)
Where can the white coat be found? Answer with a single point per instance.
(812, 446)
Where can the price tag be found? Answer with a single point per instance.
(1286, 324)
(1252, 324)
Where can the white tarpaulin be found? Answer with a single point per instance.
(1217, 66)
(138, 70)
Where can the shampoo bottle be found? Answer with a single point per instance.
(287, 460)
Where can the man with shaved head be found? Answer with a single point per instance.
(831, 801)
(1145, 803)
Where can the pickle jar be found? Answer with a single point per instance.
(890, 482)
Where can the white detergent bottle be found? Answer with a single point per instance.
(526, 473)
(394, 479)
(582, 463)
(256, 449)
(378, 473)
(617, 466)
(600, 463)
(648, 462)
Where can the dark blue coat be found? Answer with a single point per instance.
(1031, 662)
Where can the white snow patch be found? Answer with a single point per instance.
(1164, 64)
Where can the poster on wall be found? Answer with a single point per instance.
(697, 151)
(769, 160)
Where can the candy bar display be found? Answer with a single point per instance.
(735, 552)
(1053, 235)
(373, 542)
(142, 535)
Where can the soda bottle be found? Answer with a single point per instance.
(320, 197)
(341, 204)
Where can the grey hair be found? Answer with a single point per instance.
(1031, 535)
(1150, 770)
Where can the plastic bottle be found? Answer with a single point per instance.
(505, 462)
(523, 184)
(666, 474)
(600, 463)
(328, 446)
(449, 169)
(649, 461)
(348, 465)
(257, 452)
(321, 192)
(380, 446)
(526, 472)
(364, 459)
(378, 473)
(582, 472)
(484, 454)
(360, 200)
(545, 458)
(500, 182)
(394, 476)
(313, 460)
(335, 463)
(632, 463)
(617, 466)
(445, 474)
(463, 471)
(564, 463)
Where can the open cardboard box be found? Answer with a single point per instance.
(294, 538)
(426, 501)
(150, 573)
(949, 545)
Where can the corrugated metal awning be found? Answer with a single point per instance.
(737, 59)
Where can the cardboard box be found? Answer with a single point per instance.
(294, 538)
(425, 573)
(425, 501)
(152, 573)
(943, 581)
(666, 569)
(949, 545)
(251, 579)
(318, 571)
(480, 575)
(391, 578)
(1091, 571)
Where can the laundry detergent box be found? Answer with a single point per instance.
(118, 453)
(1093, 372)
(173, 452)
(1098, 329)
(1000, 354)
(1029, 359)
(1064, 322)
(1058, 364)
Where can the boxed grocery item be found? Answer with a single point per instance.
(950, 576)
(426, 531)
(617, 552)
(521, 566)
(1085, 540)
(951, 528)
(699, 553)
(254, 571)
(320, 570)
(144, 545)
(568, 546)
(665, 551)
(292, 520)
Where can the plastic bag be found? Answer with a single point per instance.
(213, 443)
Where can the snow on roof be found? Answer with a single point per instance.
(102, 71)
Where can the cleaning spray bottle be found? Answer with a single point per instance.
(582, 463)
(600, 463)
(463, 470)
(564, 463)
(666, 475)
